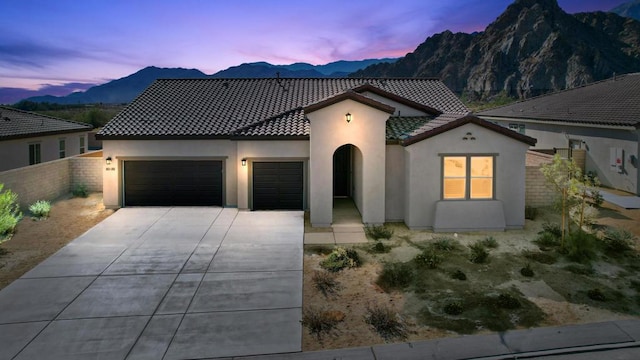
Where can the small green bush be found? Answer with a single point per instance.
(453, 308)
(341, 258)
(40, 209)
(319, 322)
(80, 190)
(445, 244)
(527, 271)
(580, 269)
(530, 213)
(508, 301)
(377, 232)
(547, 239)
(541, 257)
(459, 275)
(385, 322)
(596, 294)
(325, 282)
(618, 240)
(428, 258)
(553, 229)
(395, 275)
(9, 213)
(581, 247)
(380, 248)
(489, 242)
(479, 254)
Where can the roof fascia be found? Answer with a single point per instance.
(397, 98)
(349, 95)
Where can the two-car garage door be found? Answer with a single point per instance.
(168, 183)
(276, 185)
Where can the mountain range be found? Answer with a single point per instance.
(532, 48)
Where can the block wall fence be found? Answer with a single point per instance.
(52, 179)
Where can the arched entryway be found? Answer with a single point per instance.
(347, 185)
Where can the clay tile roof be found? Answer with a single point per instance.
(16, 124)
(401, 127)
(225, 108)
(614, 102)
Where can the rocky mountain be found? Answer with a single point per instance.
(124, 90)
(630, 9)
(532, 48)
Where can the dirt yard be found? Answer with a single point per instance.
(358, 290)
(34, 241)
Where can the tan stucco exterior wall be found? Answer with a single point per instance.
(121, 150)
(366, 131)
(423, 182)
(394, 183)
(15, 153)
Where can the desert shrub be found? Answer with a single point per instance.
(547, 239)
(580, 269)
(9, 213)
(428, 258)
(507, 301)
(541, 257)
(325, 282)
(596, 198)
(80, 190)
(479, 253)
(453, 308)
(596, 294)
(489, 242)
(380, 248)
(444, 244)
(341, 258)
(527, 271)
(581, 247)
(378, 232)
(552, 228)
(530, 213)
(385, 322)
(40, 209)
(618, 240)
(395, 275)
(459, 275)
(319, 322)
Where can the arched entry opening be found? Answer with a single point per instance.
(347, 185)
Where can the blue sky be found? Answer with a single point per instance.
(68, 43)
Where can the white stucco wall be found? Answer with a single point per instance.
(120, 150)
(268, 150)
(597, 142)
(423, 182)
(15, 153)
(401, 109)
(394, 183)
(366, 131)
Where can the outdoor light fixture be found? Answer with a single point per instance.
(348, 117)
(244, 162)
(108, 160)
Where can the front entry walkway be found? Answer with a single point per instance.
(347, 227)
(163, 283)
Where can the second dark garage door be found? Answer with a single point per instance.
(278, 185)
(168, 183)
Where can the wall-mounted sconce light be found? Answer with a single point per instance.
(468, 136)
(108, 160)
(348, 117)
(244, 162)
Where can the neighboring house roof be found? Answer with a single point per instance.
(614, 102)
(17, 124)
(263, 108)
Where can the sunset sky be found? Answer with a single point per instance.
(67, 43)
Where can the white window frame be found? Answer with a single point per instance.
(35, 155)
(83, 145)
(62, 148)
(468, 177)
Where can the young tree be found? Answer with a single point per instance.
(562, 175)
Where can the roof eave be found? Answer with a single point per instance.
(396, 98)
(161, 137)
(349, 95)
(46, 133)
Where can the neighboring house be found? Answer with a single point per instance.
(402, 149)
(28, 138)
(603, 118)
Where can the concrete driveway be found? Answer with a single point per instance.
(163, 283)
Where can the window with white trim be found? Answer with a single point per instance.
(517, 127)
(34, 154)
(467, 177)
(62, 148)
(82, 147)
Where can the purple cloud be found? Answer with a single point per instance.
(13, 95)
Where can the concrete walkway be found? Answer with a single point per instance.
(624, 201)
(163, 283)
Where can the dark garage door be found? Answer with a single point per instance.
(166, 183)
(277, 185)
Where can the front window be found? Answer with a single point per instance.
(62, 148)
(467, 177)
(34, 154)
(82, 147)
(517, 127)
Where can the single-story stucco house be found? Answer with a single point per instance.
(27, 138)
(602, 118)
(403, 149)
